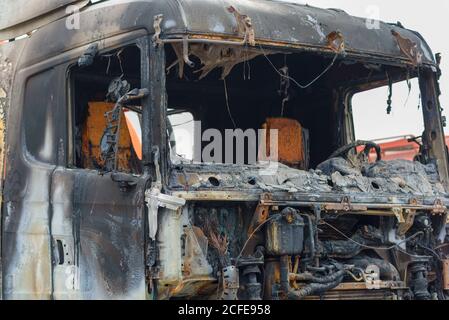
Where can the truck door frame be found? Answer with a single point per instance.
(113, 275)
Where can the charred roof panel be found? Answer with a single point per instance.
(298, 24)
(278, 22)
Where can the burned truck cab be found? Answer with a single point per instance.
(185, 149)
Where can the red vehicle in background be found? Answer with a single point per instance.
(401, 147)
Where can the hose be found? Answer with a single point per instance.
(317, 285)
(308, 277)
(313, 289)
(284, 273)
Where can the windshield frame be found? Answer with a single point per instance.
(428, 81)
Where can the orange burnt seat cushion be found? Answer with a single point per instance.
(292, 142)
(92, 133)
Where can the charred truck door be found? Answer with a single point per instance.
(74, 206)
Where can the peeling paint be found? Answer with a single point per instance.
(317, 26)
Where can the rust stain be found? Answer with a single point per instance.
(157, 28)
(244, 26)
(294, 45)
(446, 274)
(408, 48)
(259, 217)
(290, 141)
(214, 56)
(336, 41)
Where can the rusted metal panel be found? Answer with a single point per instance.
(446, 274)
(260, 216)
(434, 131)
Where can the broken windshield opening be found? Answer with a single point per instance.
(234, 106)
(290, 112)
(248, 106)
(390, 116)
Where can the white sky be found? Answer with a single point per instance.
(428, 18)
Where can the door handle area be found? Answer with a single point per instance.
(125, 181)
